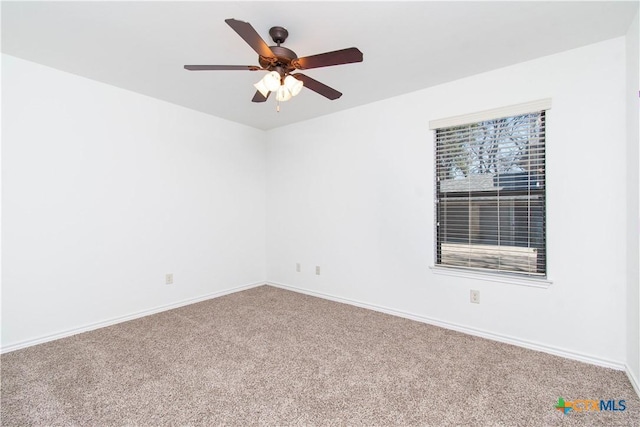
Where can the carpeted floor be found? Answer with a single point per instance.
(267, 356)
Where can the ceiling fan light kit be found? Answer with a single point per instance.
(280, 62)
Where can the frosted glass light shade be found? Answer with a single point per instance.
(294, 85)
(272, 81)
(283, 94)
(262, 88)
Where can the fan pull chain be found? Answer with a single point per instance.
(277, 106)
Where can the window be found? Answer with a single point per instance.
(490, 193)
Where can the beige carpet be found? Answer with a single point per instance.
(267, 356)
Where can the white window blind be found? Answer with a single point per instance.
(490, 193)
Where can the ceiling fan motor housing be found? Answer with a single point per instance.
(282, 60)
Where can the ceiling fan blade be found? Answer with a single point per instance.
(221, 67)
(337, 57)
(251, 36)
(318, 87)
(258, 97)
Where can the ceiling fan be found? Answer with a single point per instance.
(281, 62)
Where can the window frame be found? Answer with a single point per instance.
(493, 274)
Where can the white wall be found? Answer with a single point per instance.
(353, 193)
(104, 191)
(633, 192)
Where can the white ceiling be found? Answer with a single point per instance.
(407, 46)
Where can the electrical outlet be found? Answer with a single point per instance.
(475, 296)
(298, 267)
(168, 279)
(317, 270)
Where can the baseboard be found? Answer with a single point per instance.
(464, 329)
(120, 319)
(633, 380)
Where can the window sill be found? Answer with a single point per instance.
(492, 277)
